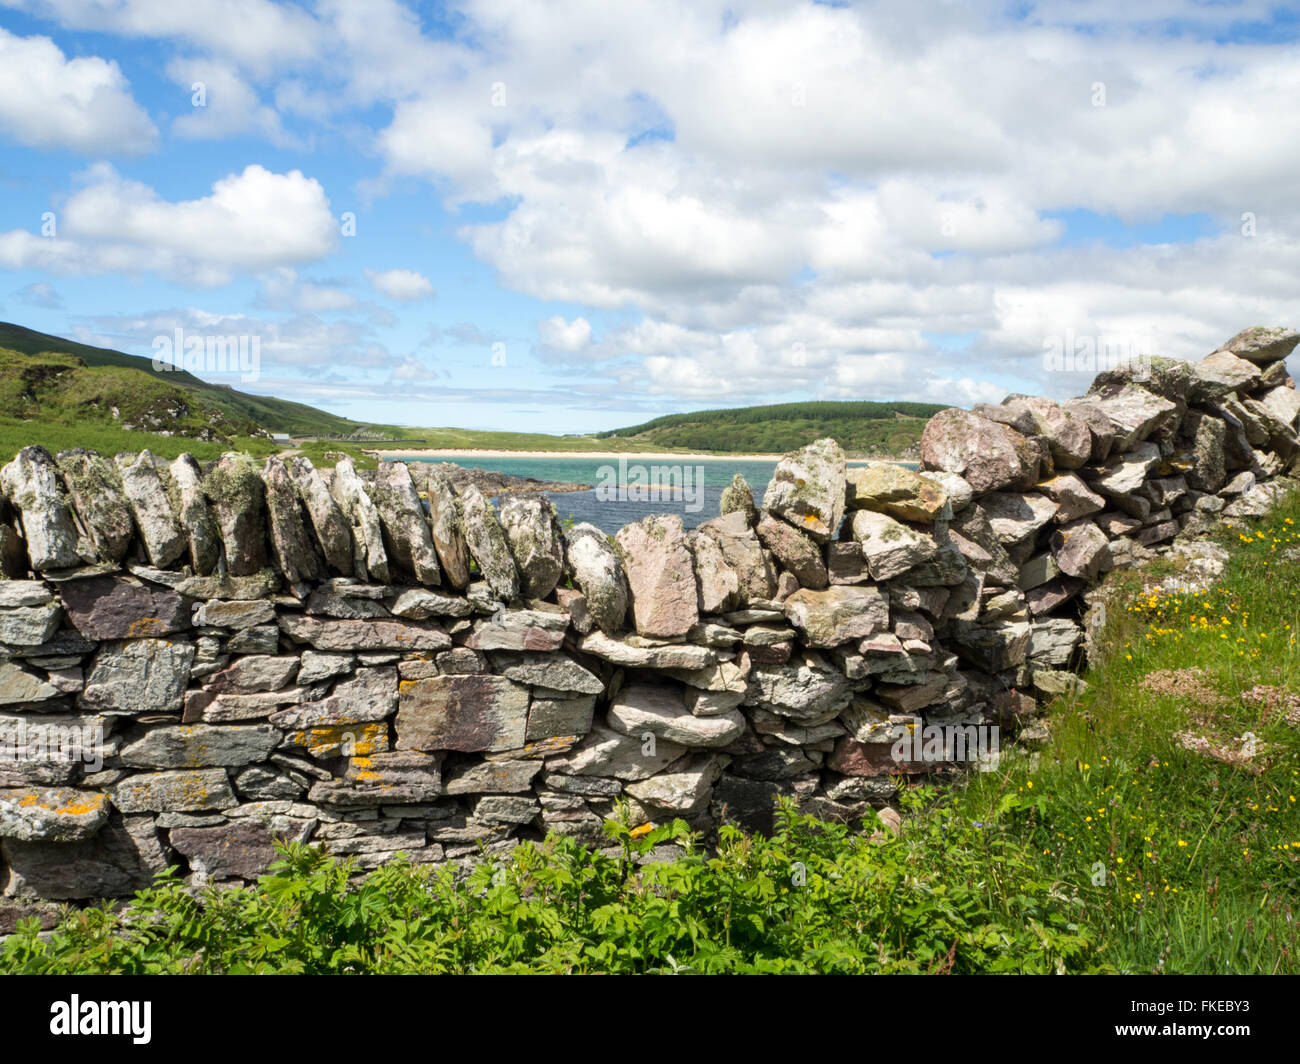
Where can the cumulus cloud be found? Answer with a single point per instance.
(861, 182)
(82, 105)
(736, 200)
(404, 286)
(252, 221)
(222, 105)
(256, 33)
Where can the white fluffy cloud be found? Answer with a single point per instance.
(740, 198)
(404, 286)
(256, 33)
(223, 104)
(252, 221)
(83, 105)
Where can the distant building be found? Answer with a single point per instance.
(280, 437)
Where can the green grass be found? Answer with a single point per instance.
(1001, 873)
(16, 434)
(1201, 854)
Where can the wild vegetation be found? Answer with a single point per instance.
(860, 427)
(1157, 831)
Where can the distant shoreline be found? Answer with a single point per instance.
(631, 456)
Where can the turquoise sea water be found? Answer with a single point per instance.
(693, 489)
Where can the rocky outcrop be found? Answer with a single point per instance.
(197, 663)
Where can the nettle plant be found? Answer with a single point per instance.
(945, 896)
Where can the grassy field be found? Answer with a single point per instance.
(1168, 802)
(1158, 831)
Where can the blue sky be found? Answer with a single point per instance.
(575, 216)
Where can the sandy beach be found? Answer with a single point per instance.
(631, 456)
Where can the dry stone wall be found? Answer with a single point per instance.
(197, 662)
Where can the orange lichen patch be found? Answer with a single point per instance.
(64, 802)
(405, 685)
(83, 804)
(332, 739)
(145, 627)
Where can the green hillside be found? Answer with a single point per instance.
(863, 427)
(230, 407)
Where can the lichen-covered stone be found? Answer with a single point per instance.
(668, 656)
(1209, 440)
(837, 615)
(488, 545)
(402, 517)
(556, 672)
(596, 569)
(743, 552)
(718, 584)
(1136, 413)
(738, 497)
(31, 483)
(29, 626)
(890, 547)
(609, 753)
(333, 531)
(151, 507)
(1017, 516)
(661, 711)
(536, 543)
(95, 490)
(1081, 549)
(195, 515)
(989, 455)
(660, 576)
(446, 528)
(364, 634)
(806, 689)
(51, 814)
(807, 489)
(369, 559)
(1073, 498)
(295, 554)
(122, 607)
(512, 629)
(201, 746)
(1262, 345)
(175, 792)
(467, 713)
(21, 688)
(138, 676)
(895, 490)
(796, 551)
(237, 493)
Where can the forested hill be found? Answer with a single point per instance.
(860, 427)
